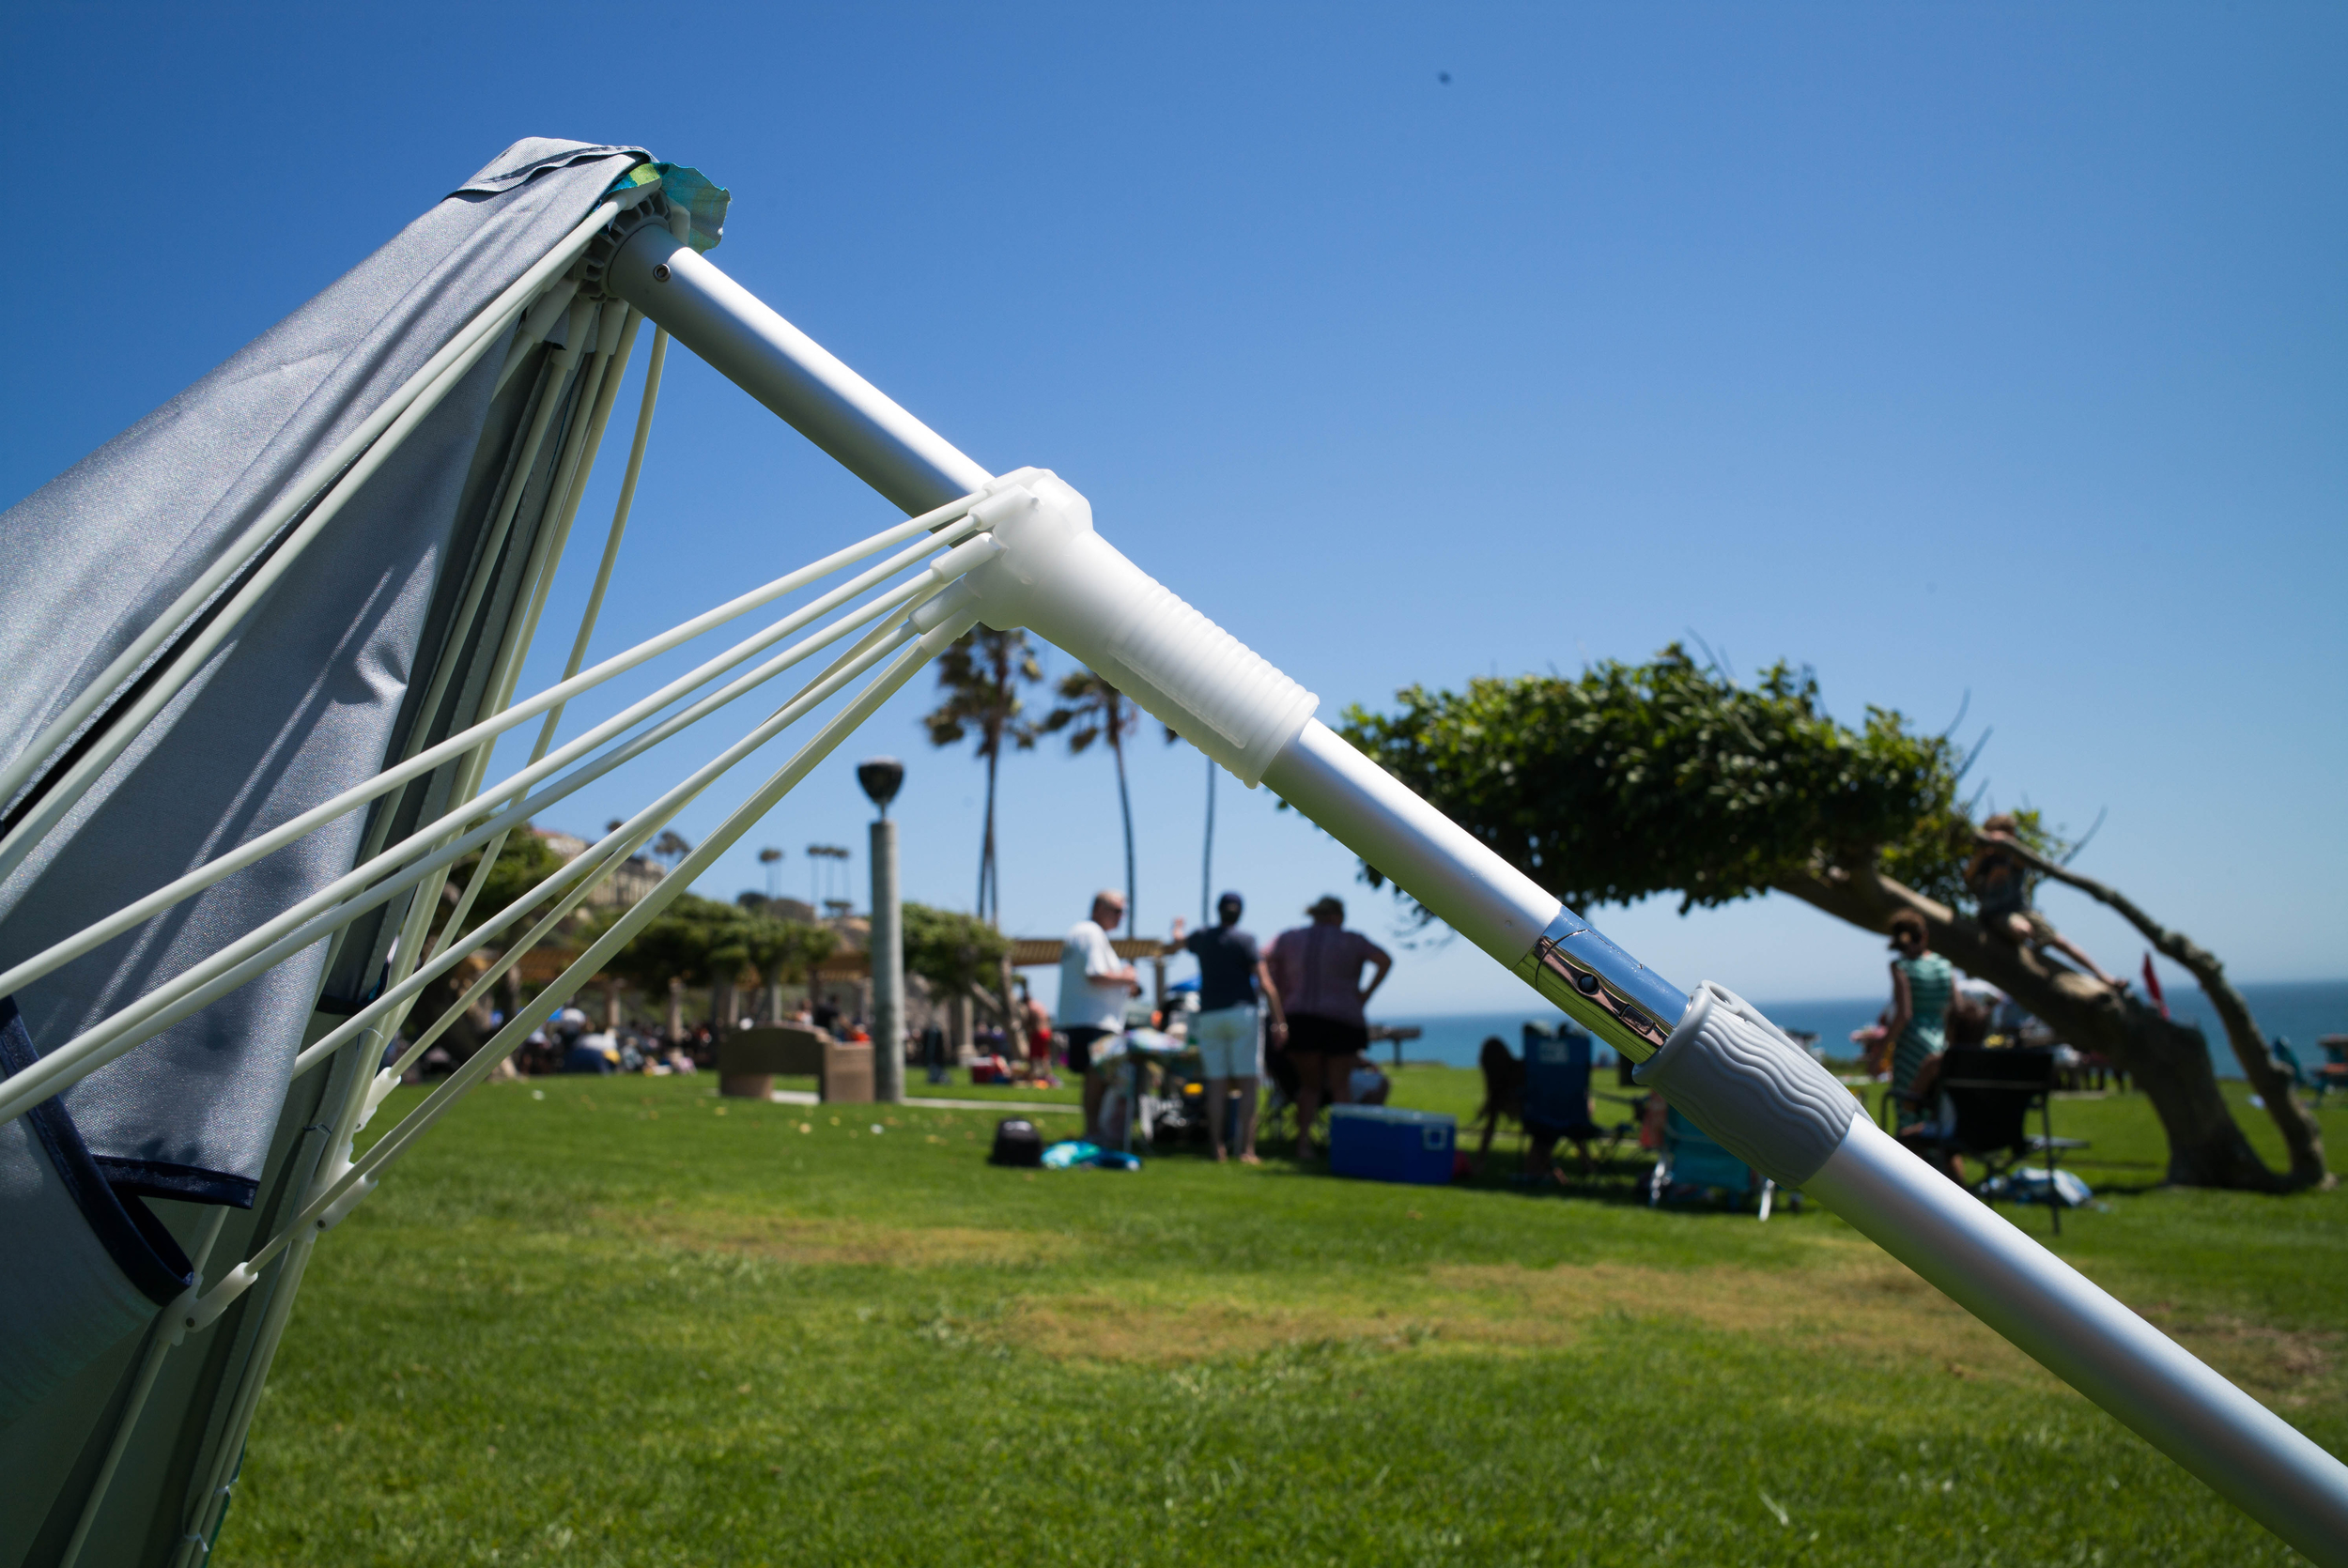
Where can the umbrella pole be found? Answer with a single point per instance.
(1737, 1076)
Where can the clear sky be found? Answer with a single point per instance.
(1988, 349)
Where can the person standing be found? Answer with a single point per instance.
(1922, 983)
(1235, 995)
(1093, 986)
(1316, 971)
(1035, 1032)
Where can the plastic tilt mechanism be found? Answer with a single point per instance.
(1063, 581)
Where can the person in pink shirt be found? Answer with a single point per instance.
(1317, 970)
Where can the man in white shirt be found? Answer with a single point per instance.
(1093, 986)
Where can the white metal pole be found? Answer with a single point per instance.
(2248, 1454)
(685, 293)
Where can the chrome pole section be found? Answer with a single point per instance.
(686, 295)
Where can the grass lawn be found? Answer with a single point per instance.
(607, 1321)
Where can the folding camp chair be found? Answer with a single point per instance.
(1989, 1095)
(2318, 1081)
(1690, 1160)
(1556, 1102)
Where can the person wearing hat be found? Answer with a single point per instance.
(1228, 1028)
(1317, 972)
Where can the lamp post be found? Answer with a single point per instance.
(881, 778)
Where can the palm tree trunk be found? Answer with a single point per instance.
(986, 844)
(1125, 803)
(1206, 860)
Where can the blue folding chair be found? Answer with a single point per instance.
(1557, 1094)
(2318, 1082)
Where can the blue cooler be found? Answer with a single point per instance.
(1378, 1143)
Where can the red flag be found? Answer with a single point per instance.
(2152, 986)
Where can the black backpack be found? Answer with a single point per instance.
(1016, 1142)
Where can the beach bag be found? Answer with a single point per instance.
(1016, 1142)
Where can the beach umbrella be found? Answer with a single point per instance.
(317, 560)
(273, 631)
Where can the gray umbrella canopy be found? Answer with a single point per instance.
(220, 709)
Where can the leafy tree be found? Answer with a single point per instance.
(523, 861)
(674, 950)
(784, 950)
(981, 675)
(522, 864)
(728, 960)
(957, 954)
(1090, 710)
(1629, 781)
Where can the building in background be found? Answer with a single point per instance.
(634, 877)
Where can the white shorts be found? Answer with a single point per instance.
(1231, 1044)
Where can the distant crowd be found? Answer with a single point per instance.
(1284, 1018)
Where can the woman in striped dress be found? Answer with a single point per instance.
(1923, 984)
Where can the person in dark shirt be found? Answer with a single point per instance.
(1235, 992)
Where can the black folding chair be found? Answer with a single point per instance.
(1990, 1094)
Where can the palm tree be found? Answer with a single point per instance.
(672, 952)
(981, 675)
(1091, 710)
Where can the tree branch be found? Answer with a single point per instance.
(2266, 1074)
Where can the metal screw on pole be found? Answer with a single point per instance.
(881, 778)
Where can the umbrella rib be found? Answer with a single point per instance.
(950, 532)
(352, 895)
(746, 816)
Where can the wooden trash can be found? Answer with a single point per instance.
(848, 1072)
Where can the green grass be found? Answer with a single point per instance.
(627, 1323)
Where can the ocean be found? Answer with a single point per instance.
(2298, 1010)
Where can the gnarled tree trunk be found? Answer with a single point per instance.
(2170, 1061)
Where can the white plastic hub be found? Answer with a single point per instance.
(1058, 579)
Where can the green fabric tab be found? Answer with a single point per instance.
(691, 189)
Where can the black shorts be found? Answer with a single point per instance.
(1081, 1039)
(1309, 1036)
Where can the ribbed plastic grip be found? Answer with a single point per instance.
(1760, 1096)
(1060, 579)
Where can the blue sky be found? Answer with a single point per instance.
(1992, 349)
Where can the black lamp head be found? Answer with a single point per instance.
(881, 778)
